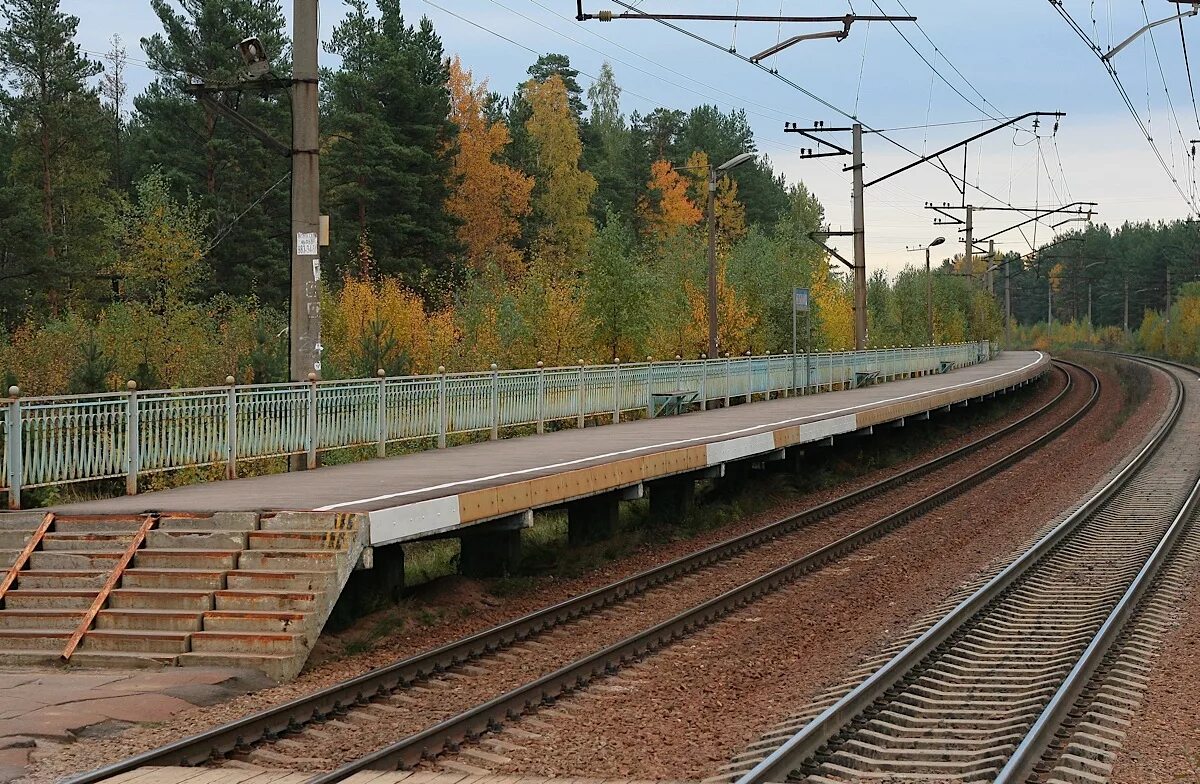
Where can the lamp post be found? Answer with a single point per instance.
(929, 286)
(713, 173)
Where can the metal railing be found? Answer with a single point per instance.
(80, 438)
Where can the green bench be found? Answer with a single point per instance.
(673, 402)
(865, 378)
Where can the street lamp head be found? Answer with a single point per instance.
(937, 241)
(737, 160)
(254, 56)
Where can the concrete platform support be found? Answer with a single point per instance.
(368, 589)
(672, 498)
(592, 519)
(493, 549)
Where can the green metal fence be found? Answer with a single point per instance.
(63, 439)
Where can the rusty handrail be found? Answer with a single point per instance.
(23, 556)
(109, 584)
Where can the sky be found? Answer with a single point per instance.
(961, 68)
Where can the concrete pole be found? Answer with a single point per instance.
(860, 246)
(712, 262)
(969, 241)
(990, 262)
(305, 321)
(1007, 302)
(928, 296)
(1089, 306)
(1127, 306)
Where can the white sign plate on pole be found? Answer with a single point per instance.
(306, 243)
(799, 300)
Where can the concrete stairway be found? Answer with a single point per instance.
(230, 589)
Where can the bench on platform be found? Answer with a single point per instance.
(865, 378)
(945, 367)
(673, 402)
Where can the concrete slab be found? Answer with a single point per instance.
(437, 476)
(50, 707)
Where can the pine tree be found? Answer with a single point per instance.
(230, 171)
(388, 164)
(54, 114)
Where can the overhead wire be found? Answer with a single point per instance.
(809, 93)
(1124, 94)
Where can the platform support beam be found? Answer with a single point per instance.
(672, 498)
(493, 549)
(593, 519)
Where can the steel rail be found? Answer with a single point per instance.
(806, 743)
(362, 689)
(449, 734)
(1042, 734)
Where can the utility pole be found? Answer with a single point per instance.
(968, 239)
(991, 267)
(305, 320)
(860, 244)
(1126, 306)
(1007, 301)
(712, 263)
(928, 296)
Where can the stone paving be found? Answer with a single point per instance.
(40, 709)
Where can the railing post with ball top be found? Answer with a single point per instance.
(231, 428)
(541, 397)
(15, 453)
(616, 390)
(311, 430)
(579, 410)
(132, 435)
(649, 386)
(442, 412)
(495, 402)
(381, 428)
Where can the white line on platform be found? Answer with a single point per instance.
(667, 444)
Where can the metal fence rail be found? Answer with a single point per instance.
(79, 438)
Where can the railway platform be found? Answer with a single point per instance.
(245, 573)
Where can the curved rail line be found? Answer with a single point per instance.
(982, 693)
(289, 717)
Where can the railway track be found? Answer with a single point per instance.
(383, 695)
(1020, 679)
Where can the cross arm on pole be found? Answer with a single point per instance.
(204, 97)
(962, 143)
(1147, 28)
(819, 237)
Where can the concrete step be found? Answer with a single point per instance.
(118, 542)
(280, 667)
(159, 599)
(56, 579)
(31, 658)
(49, 599)
(289, 560)
(196, 540)
(14, 539)
(262, 621)
(153, 620)
(7, 558)
(73, 560)
(173, 578)
(252, 580)
(40, 619)
(218, 521)
(270, 601)
(266, 643)
(27, 520)
(207, 560)
(34, 639)
(300, 540)
(308, 521)
(136, 641)
(122, 660)
(97, 524)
